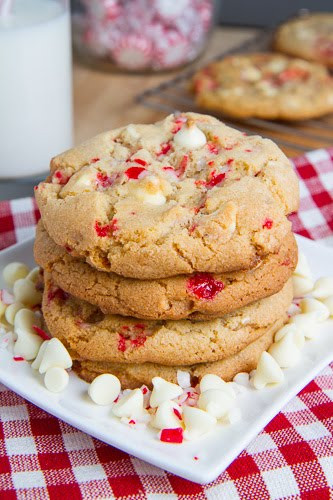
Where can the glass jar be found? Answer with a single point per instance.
(140, 35)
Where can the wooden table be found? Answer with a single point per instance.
(104, 101)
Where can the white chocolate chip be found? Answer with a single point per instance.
(83, 180)
(130, 405)
(104, 389)
(56, 379)
(25, 319)
(301, 285)
(165, 416)
(190, 137)
(12, 310)
(55, 354)
(303, 268)
(329, 304)
(268, 372)
(27, 344)
(306, 323)
(33, 274)
(251, 74)
(197, 422)
(183, 379)
(323, 288)
(313, 305)
(163, 391)
(36, 363)
(216, 402)
(150, 190)
(14, 271)
(285, 351)
(211, 381)
(296, 332)
(25, 291)
(132, 132)
(242, 379)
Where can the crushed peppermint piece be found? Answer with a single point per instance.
(104, 181)
(177, 413)
(165, 148)
(94, 160)
(42, 334)
(134, 172)
(140, 162)
(204, 286)
(132, 422)
(268, 224)
(215, 179)
(172, 435)
(57, 293)
(213, 148)
(60, 178)
(195, 458)
(183, 165)
(107, 229)
(18, 358)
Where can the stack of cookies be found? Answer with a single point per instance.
(167, 247)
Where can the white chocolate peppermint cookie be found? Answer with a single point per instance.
(265, 85)
(187, 194)
(309, 37)
(89, 334)
(198, 296)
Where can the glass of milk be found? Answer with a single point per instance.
(35, 85)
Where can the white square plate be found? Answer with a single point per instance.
(216, 450)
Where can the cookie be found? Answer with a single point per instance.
(184, 195)
(265, 85)
(309, 37)
(134, 375)
(89, 334)
(198, 296)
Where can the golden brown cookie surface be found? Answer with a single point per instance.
(184, 195)
(89, 334)
(134, 375)
(265, 85)
(198, 296)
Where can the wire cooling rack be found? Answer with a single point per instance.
(174, 95)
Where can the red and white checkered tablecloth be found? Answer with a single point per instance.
(292, 458)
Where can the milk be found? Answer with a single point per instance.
(35, 86)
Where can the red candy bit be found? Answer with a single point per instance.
(211, 163)
(134, 172)
(121, 343)
(212, 148)
(107, 230)
(35, 188)
(192, 228)
(228, 148)
(140, 162)
(103, 180)
(168, 169)
(94, 160)
(139, 341)
(172, 435)
(41, 332)
(68, 249)
(60, 178)
(215, 179)
(230, 161)
(248, 150)
(292, 74)
(165, 148)
(200, 182)
(177, 413)
(57, 293)
(179, 122)
(18, 358)
(204, 286)
(286, 262)
(195, 458)
(132, 422)
(183, 165)
(144, 390)
(268, 224)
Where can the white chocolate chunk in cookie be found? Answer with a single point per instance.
(190, 137)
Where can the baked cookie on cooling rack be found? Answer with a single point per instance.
(265, 85)
(309, 36)
(187, 194)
